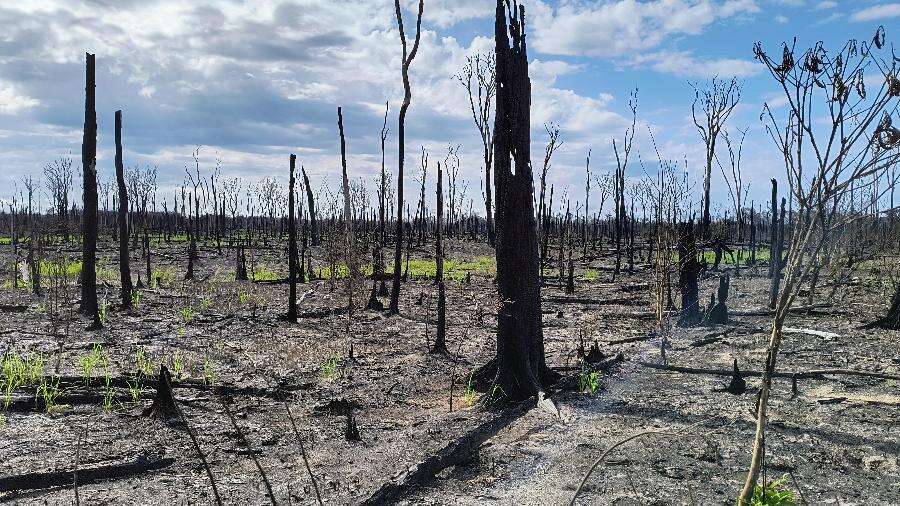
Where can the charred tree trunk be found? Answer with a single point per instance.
(440, 342)
(292, 245)
(520, 363)
(891, 320)
(773, 232)
(688, 274)
(124, 267)
(89, 213)
(311, 204)
(777, 259)
(394, 306)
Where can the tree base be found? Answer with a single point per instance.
(163, 407)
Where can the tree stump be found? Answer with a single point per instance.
(163, 407)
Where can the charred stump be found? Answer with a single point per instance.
(163, 407)
(891, 320)
(717, 313)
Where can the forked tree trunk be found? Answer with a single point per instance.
(521, 366)
(89, 213)
(124, 267)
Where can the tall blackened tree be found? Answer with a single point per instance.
(292, 245)
(440, 341)
(408, 56)
(521, 366)
(124, 267)
(89, 174)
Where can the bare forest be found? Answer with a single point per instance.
(422, 338)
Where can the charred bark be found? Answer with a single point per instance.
(124, 267)
(292, 245)
(89, 213)
(521, 365)
(688, 274)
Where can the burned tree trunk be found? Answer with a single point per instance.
(311, 204)
(440, 342)
(688, 274)
(292, 245)
(777, 259)
(520, 363)
(163, 407)
(124, 267)
(394, 306)
(89, 213)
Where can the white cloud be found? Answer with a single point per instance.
(827, 4)
(684, 64)
(625, 26)
(780, 18)
(877, 12)
(12, 101)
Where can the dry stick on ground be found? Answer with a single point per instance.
(75, 474)
(200, 454)
(246, 443)
(660, 432)
(303, 453)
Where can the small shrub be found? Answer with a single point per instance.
(773, 494)
(329, 369)
(588, 381)
(187, 314)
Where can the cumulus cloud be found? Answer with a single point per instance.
(625, 26)
(685, 64)
(876, 12)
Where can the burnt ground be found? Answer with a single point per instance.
(837, 440)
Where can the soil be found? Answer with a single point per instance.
(837, 440)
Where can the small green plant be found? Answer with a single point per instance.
(134, 389)
(469, 395)
(590, 275)
(773, 494)
(187, 314)
(143, 365)
(135, 298)
(48, 391)
(329, 368)
(588, 381)
(178, 365)
(101, 311)
(243, 297)
(209, 375)
(206, 303)
(90, 362)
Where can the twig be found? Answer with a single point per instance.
(246, 443)
(193, 437)
(75, 474)
(303, 453)
(661, 432)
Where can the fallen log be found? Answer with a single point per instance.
(810, 332)
(619, 301)
(810, 374)
(39, 481)
(635, 339)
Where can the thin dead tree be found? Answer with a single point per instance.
(408, 56)
(735, 182)
(478, 76)
(545, 209)
(622, 158)
(715, 100)
(291, 315)
(440, 341)
(823, 161)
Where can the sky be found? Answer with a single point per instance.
(253, 81)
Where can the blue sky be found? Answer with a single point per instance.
(255, 81)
